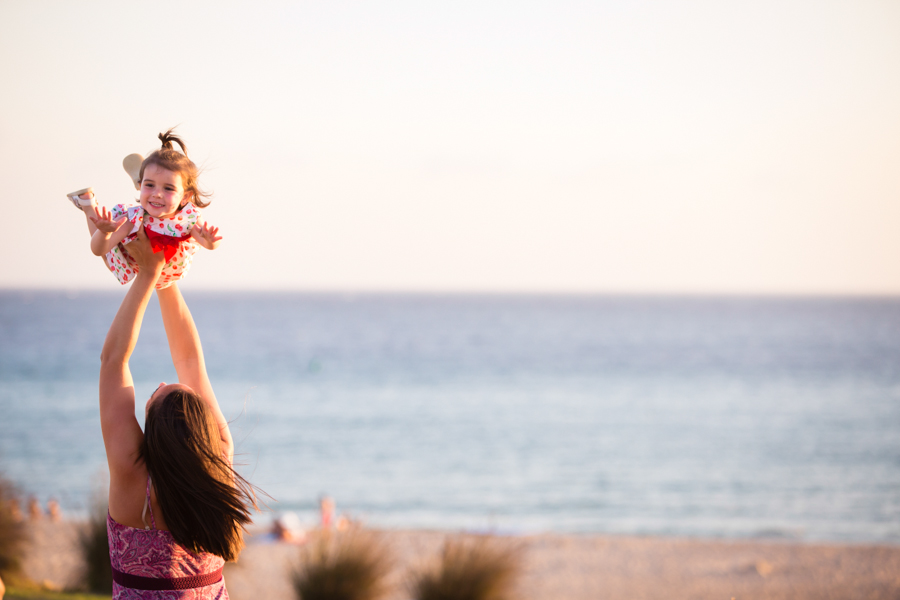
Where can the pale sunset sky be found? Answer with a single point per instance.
(600, 147)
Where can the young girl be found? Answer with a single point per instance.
(170, 200)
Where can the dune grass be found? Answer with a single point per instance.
(94, 545)
(13, 534)
(469, 568)
(351, 565)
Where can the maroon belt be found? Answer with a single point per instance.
(138, 582)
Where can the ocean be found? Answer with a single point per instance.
(725, 417)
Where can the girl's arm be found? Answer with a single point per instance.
(122, 435)
(109, 232)
(187, 356)
(206, 235)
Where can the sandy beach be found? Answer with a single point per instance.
(571, 567)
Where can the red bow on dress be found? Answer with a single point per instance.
(166, 243)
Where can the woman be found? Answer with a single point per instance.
(176, 507)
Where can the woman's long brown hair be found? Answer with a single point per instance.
(171, 159)
(206, 504)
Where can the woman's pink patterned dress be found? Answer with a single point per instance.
(155, 553)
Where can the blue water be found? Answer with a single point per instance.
(723, 417)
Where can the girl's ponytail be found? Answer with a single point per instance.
(168, 137)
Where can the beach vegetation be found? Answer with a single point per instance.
(94, 545)
(13, 534)
(349, 565)
(469, 568)
(23, 591)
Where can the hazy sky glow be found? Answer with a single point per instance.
(658, 146)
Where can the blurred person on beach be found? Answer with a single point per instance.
(177, 508)
(287, 528)
(327, 510)
(34, 509)
(168, 210)
(53, 510)
(15, 510)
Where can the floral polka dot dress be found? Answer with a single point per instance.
(171, 235)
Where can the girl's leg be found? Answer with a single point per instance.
(90, 211)
(84, 200)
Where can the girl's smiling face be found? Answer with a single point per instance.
(162, 192)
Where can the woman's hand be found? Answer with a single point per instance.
(144, 256)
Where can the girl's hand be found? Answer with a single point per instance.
(103, 221)
(144, 256)
(206, 235)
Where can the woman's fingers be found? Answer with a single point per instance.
(143, 254)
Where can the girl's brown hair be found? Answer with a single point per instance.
(206, 504)
(167, 157)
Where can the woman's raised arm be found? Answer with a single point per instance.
(187, 356)
(122, 435)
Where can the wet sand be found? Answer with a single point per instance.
(570, 567)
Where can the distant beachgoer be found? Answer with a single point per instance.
(53, 510)
(327, 512)
(15, 510)
(34, 509)
(168, 209)
(177, 508)
(287, 528)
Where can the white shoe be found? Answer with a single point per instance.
(79, 202)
